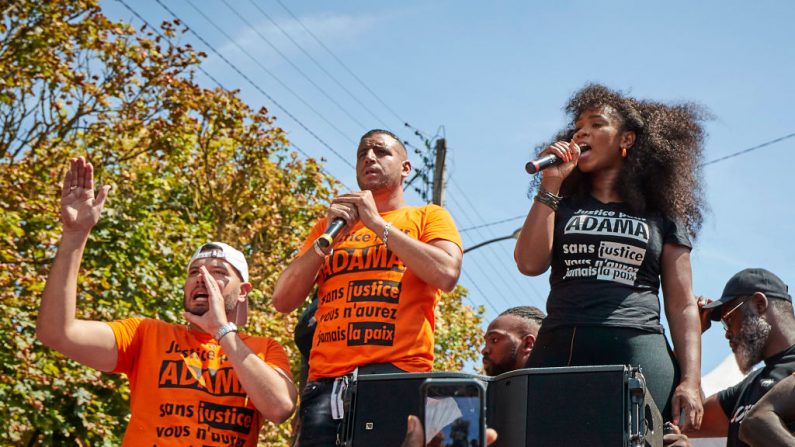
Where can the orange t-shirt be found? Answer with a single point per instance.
(183, 389)
(371, 308)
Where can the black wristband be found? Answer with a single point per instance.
(547, 198)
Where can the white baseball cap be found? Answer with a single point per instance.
(220, 250)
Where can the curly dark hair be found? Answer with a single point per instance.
(661, 172)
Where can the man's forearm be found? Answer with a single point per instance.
(269, 389)
(59, 298)
(90, 343)
(432, 264)
(436, 266)
(295, 283)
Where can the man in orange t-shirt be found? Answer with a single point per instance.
(200, 384)
(378, 283)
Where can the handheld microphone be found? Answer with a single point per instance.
(535, 166)
(327, 238)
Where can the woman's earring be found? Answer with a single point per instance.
(623, 152)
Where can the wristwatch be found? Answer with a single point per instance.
(225, 329)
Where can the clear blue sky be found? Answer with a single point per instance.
(496, 75)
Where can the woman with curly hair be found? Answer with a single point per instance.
(614, 221)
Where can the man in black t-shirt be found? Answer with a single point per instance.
(756, 312)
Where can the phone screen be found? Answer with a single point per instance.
(453, 415)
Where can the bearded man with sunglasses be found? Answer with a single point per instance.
(756, 312)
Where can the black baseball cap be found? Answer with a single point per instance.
(746, 283)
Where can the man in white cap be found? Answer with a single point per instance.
(200, 384)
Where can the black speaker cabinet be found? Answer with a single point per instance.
(575, 406)
(380, 405)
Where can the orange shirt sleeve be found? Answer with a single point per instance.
(127, 343)
(317, 230)
(276, 357)
(439, 224)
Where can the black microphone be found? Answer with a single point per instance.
(327, 238)
(535, 166)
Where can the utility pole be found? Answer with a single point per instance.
(438, 172)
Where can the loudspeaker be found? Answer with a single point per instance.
(380, 405)
(561, 407)
(573, 406)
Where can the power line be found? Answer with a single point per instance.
(341, 63)
(221, 86)
(149, 25)
(351, 72)
(496, 272)
(506, 254)
(750, 149)
(510, 219)
(330, 75)
(257, 87)
(319, 65)
(289, 61)
(706, 163)
(485, 298)
(266, 70)
(420, 133)
(502, 248)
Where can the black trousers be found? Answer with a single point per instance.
(604, 345)
(318, 428)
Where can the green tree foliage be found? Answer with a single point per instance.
(459, 333)
(187, 164)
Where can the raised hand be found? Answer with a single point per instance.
(80, 208)
(346, 212)
(704, 314)
(568, 152)
(364, 206)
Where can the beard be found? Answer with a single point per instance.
(751, 341)
(508, 363)
(373, 185)
(382, 182)
(229, 306)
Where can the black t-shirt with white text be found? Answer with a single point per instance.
(606, 263)
(737, 401)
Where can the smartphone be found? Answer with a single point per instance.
(454, 412)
